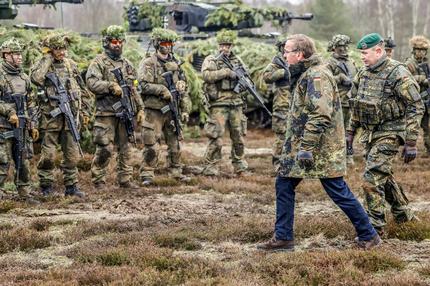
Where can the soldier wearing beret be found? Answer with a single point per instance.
(387, 105)
(418, 65)
(314, 148)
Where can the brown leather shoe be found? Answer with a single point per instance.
(274, 245)
(368, 244)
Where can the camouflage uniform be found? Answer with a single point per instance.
(387, 106)
(109, 131)
(343, 70)
(55, 130)
(226, 109)
(14, 82)
(316, 108)
(278, 75)
(158, 122)
(417, 68)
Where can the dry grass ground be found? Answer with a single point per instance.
(205, 232)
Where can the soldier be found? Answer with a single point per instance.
(16, 100)
(418, 65)
(314, 148)
(343, 70)
(277, 73)
(226, 106)
(159, 118)
(54, 127)
(386, 104)
(389, 47)
(109, 130)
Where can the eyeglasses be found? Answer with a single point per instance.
(167, 44)
(292, 51)
(116, 41)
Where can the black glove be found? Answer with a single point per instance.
(409, 151)
(306, 159)
(349, 143)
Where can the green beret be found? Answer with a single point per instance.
(369, 41)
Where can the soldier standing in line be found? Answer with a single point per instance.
(277, 73)
(343, 70)
(53, 122)
(109, 129)
(16, 103)
(389, 47)
(161, 104)
(314, 148)
(226, 106)
(418, 65)
(387, 106)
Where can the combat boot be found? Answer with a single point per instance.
(275, 245)
(73, 190)
(46, 190)
(210, 171)
(368, 244)
(129, 185)
(177, 174)
(24, 195)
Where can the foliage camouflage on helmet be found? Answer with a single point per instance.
(56, 41)
(114, 32)
(226, 37)
(11, 45)
(160, 34)
(340, 40)
(419, 42)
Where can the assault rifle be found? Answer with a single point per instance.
(283, 64)
(244, 81)
(426, 94)
(342, 66)
(64, 99)
(173, 104)
(125, 104)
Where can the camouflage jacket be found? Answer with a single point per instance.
(12, 82)
(99, 77)
(153, 84)
(416, 69)
(385, 101)
(338, 66)
(70, 77)
(217, 87)
(315, 124)
(275, 74)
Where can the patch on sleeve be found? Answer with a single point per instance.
(314, 87)
(413, 92)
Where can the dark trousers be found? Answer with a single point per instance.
(338, 191)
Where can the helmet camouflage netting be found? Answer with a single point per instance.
(419, 42)
(160, 34)
(226, 37)
(114, 32)
(11, 45)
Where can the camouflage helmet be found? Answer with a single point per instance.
(166, 35)
(226, 37)
(56, 41)
(340, 40)
(419, 42)
(114, 32)
(11, 45)
(389, 43)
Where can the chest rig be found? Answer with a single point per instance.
(226, 83)
(376, 101)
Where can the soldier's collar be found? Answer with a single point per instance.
(10, 69)
(378, 64)
(112, 56)
(313, 60)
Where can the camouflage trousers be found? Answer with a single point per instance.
(220, 119)
(46, 165)
(379, 184)
(22, 181)
(279, 125)
(110, 135)
(157, 124)
(426, 128)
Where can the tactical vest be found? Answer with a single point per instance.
(376, 101)
(16, 85)
(105, 103)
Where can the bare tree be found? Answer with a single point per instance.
(427, 18)
(415, 5)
